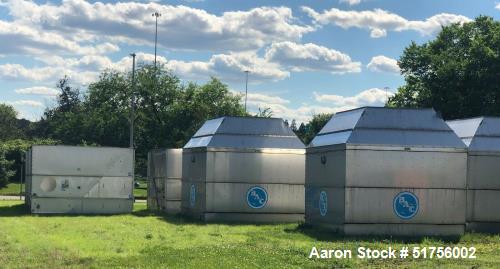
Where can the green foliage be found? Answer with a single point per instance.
(306, 132)
(9, 128)
(458, 73)
(167, 112)
(11, 152)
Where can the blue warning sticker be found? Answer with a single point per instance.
(256, 197)
(192, 195)
(323, 203)
(405, 205)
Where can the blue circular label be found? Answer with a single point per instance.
(323, 203)
(192, 195)
(256, 197)
(405, 205)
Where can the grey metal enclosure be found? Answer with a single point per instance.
(383, 171)
(482, 136)
(164, 180)
(244, 169)
(79, 180)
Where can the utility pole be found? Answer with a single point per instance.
(156, 15)
(132, 103)
(246, 89)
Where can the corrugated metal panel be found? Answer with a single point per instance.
(245, 132)
(388, 126)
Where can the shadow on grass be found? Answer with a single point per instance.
(14, 210)
(328, 235)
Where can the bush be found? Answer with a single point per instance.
(10, 157)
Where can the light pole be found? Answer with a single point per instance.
(246, 89)
(156, 15)
(132, 103)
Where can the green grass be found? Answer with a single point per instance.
(141, 192)
(145, 240)
(10, 189)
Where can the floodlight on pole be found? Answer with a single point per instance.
(156, 15)
(246, 89)
(386, 94)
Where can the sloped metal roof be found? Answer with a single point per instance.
(388, 126)
(479, 134)
(245, 132)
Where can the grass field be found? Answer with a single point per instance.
(145, 240)
(10, 189)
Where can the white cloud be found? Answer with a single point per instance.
(38, 90)
(29, 103)
(379, 21)
(310, 57)
(351, 2)
(370, 97)
(52, 73)
(29, 40)
(179, 27)
(229, 67)
(497, 6)
(378, 33)
(382, 63)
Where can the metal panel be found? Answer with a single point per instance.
(231, 197)
(167, 163)
(326, 169)
(406, 169)
(387, 126)
(81, 161)
(484, 172)
(424, 138)
(403, 229)
(80, 206)
(346, 120)
(245, 132)
(198, 207)
(480, 134)
(78, 187)
(270, 167)
(335, 209)
(194, 166)
(253, 218)
(483, 206)
(173, 188)
(375, 205)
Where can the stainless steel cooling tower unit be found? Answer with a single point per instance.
(482, 136)
(244, 169)
(383, 171)
(79, 180)
(164, 180)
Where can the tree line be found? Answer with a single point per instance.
(457, 73)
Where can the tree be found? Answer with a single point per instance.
(264, 113)
(167, 112)
(9, 128)
(306, 132)
(65, 121)
(458, 73)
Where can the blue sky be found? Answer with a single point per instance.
(304, 57)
